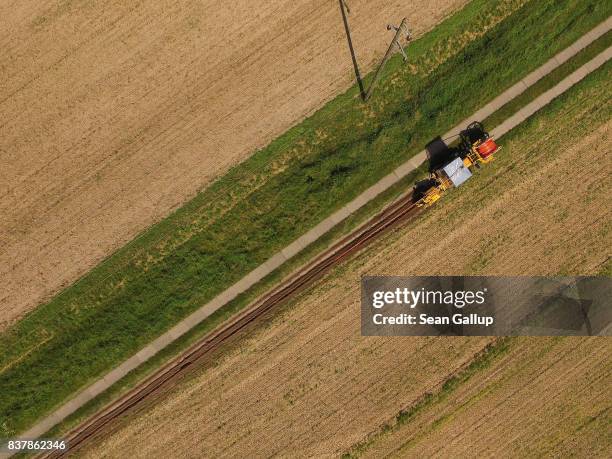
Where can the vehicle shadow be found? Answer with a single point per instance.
(439, 153)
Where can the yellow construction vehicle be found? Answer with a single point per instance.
(450, 167)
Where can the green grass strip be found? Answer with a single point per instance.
(550, 80)
(276, 195)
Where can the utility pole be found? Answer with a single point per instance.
(395, 45)
(346, 7)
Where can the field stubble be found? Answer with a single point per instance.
(564, 382)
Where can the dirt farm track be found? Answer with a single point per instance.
(112, 114)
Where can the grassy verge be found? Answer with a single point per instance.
(278, 194)
(550, 80)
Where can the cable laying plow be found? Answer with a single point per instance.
(452, 166)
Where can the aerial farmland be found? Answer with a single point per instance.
(204, 202)
(332, 385)
(125, 111)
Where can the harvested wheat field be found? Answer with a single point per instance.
(307, 382)
(115, 113)
(549, 397)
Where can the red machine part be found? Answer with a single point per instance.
(487, 148)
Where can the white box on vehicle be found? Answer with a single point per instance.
(457, 172)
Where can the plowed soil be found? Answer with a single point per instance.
(115, 113)
(309, 385)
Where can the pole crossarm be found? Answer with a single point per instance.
(395, 44)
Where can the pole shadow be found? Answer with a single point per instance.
(351, 49)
